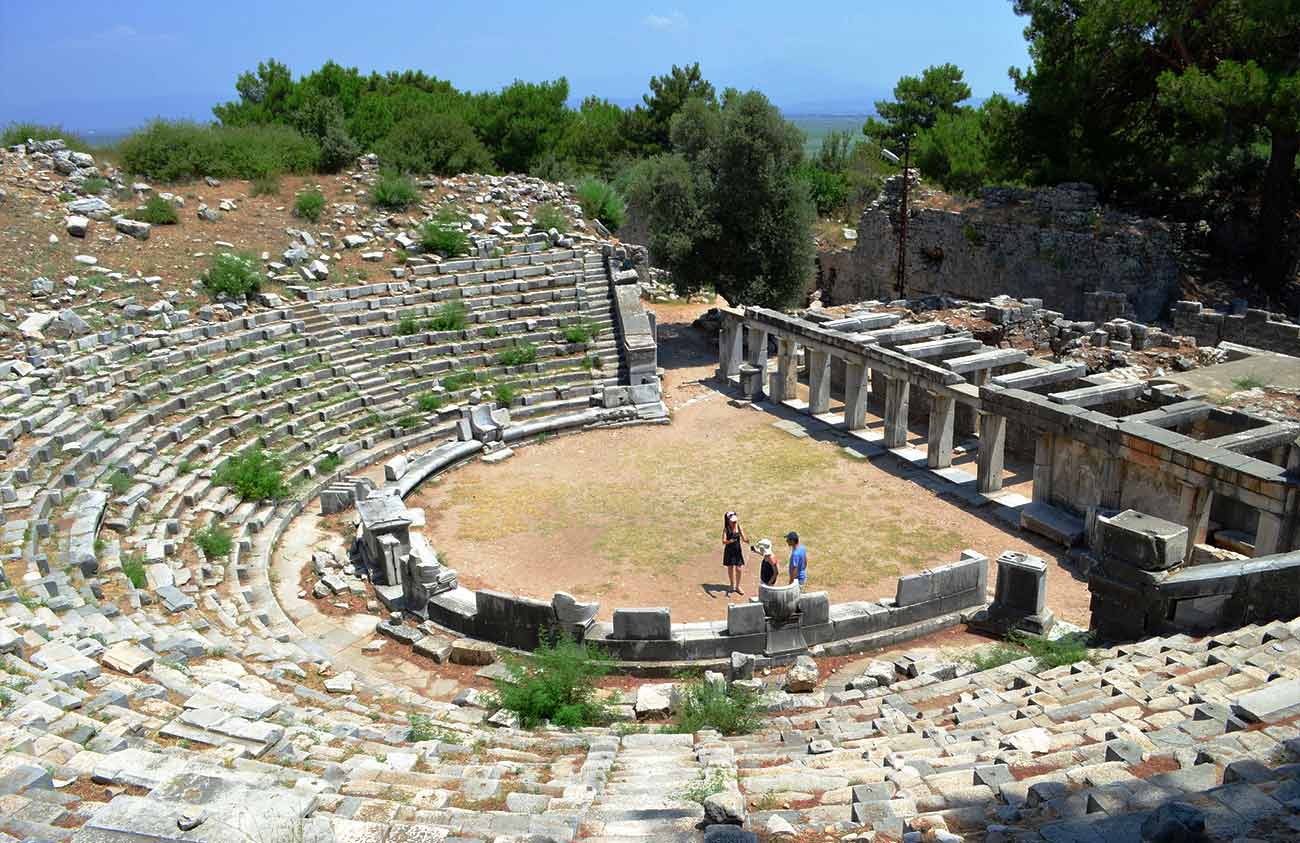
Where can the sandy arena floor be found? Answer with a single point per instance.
(633, 517)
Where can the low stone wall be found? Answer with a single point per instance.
(1256, 328)
(648, 635)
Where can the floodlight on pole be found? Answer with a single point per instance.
(902, 215)
(889, 156)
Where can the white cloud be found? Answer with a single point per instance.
(664, 23)
(118, 35)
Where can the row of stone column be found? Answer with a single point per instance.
(859, 383)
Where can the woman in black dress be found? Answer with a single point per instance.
(733, 551)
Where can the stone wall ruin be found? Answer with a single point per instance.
(1055, 243)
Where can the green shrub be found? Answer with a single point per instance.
(1248, 382)
(432, 142)
(505, 393)
(309, 204)
(214, 541)
(709, 783)
(233, 275)
(450, 317)
(430, 402)
(600, 200)
(329, 464)
(557, 682)
(583, 332)
(394, 192)
(458, 380)
(987, 658)
(94, 185)
(120, 482)
(593, 361)
(175, 150)
(547, 216)
(422, 729)
(133, 568)
(518, 356)
(407, 326)
(705, 705)
(254, 475)
(267, 185)
(492, 332)
(16, 133)
(185, 467)
(1057, 652)
(408, 421)
(443, 237)
(156, 211)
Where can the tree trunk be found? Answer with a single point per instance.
(1272, 255)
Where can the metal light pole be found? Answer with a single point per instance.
(902, 219)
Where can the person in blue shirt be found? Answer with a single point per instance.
(798, 558)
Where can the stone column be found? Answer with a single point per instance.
(819, 382)
(968, 417)
(993, 438)
(1194, 506)
(787, 370)
(758, 347)
(855, 395)
(879, 384)
(897, 391)
(1268, 534)
(1043, 449)
(730, 347)
(943, 408)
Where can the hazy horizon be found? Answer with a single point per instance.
(121, 66)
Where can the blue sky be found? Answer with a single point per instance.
(112, 65)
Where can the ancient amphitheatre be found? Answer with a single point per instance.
(482, 450)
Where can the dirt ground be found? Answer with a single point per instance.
(633, 517)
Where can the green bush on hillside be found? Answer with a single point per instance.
(178, 150)
(600, 200)
(434, 143)
(16, 133)
(233, 275)
(547, 216)
(254, 475)
(556, 682)
(267, 185)
(156, 211)
(443, 236)
(309, 204)
(394, 192)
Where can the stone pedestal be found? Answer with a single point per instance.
(785, 636)
(939, 441)
(1021, 595)
(751, 381)
(819, 382)
(993, 436)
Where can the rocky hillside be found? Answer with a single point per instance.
(72, 261)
